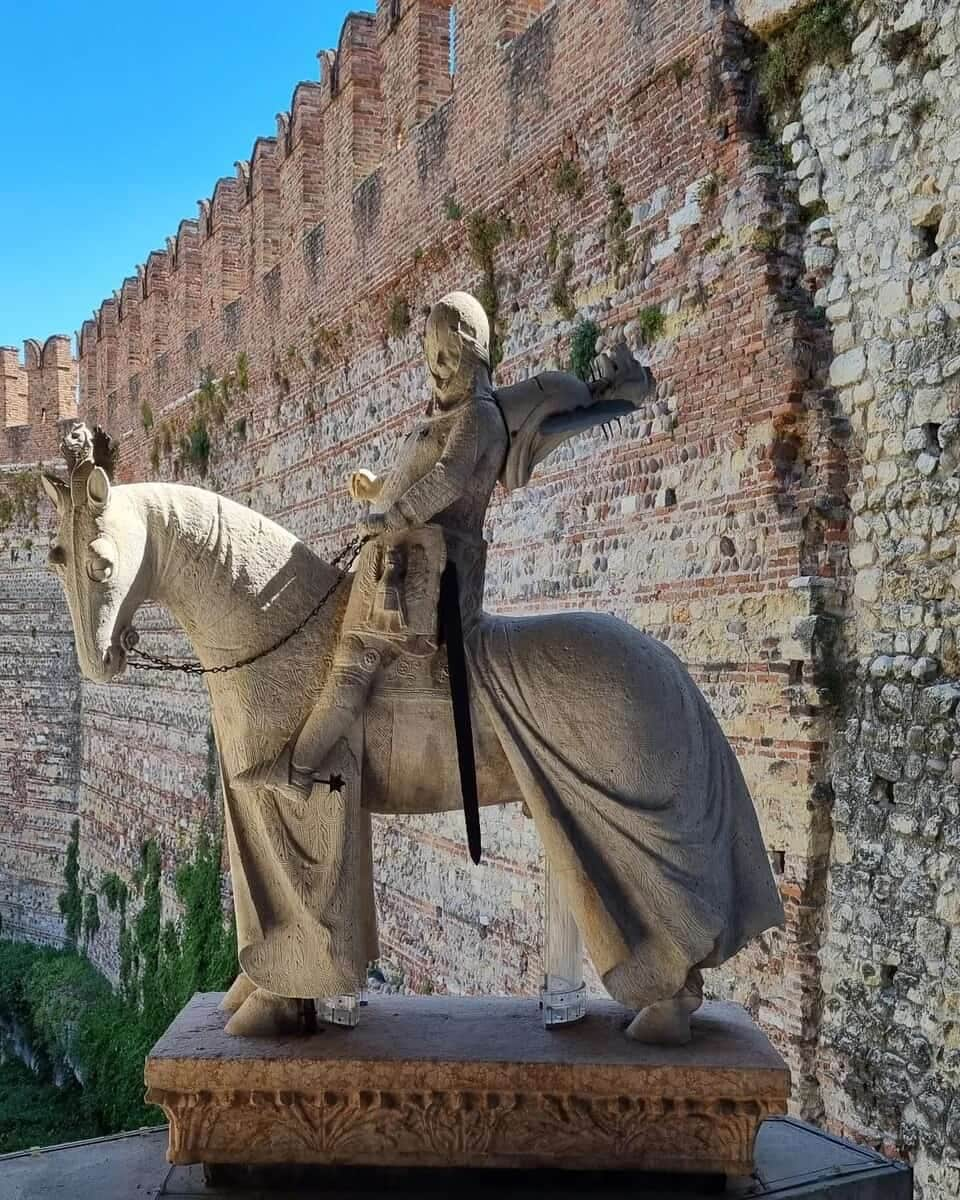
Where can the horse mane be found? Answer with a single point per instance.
(229, 527)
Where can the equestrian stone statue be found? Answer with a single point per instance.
(331, 699)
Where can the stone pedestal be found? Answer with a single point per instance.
(451, 1082)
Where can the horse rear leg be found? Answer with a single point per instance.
(667, 1023)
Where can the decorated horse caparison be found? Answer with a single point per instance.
(336, 694)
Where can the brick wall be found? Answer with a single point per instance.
(39, 718)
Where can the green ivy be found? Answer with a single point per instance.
(212, 771)
(34, 1112)
(146, 928)
(71, 1015)
(485, 234)
(70, 900)
(16, 958)
(115, 892)
(91, 916)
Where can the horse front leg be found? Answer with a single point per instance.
(310, 961)
(263, 1014)
(240, 990)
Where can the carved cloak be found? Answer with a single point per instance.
(635, 792)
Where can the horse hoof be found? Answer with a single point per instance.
(264, 1015)
(664, 1024)
(241, 989)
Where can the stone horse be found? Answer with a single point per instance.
(597, 728)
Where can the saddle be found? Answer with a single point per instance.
(407, 599)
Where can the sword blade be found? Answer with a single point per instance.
(451, 632)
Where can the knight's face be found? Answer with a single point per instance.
(444, 350)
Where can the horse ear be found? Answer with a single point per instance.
(57, 491)
(98, 489)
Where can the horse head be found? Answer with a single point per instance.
(99, 554)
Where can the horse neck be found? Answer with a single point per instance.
(234, 580)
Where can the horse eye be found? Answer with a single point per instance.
(101, 559)
(57, 556)
(99, 569)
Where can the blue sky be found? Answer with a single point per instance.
(117, 119)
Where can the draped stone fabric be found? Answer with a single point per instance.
(632, 785)
(635, 792)
(303, 886)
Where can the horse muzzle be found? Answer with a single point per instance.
(114, 661)
(115, 655)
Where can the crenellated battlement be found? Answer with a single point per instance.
(419, 101)
(35, 396)
(259, 255)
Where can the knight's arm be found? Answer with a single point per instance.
(446, 480)
(543, 412)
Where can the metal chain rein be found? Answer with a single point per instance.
(156, 662)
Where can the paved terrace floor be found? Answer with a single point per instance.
(793, 1160)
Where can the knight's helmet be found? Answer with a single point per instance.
(461, 315)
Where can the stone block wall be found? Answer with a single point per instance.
(876, 148)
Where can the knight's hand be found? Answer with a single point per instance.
(372, 525)
(365, 486)
(619, 375)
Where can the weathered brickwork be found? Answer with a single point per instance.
(588, 161)
(39, 718)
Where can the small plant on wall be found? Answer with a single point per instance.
(568, 179)
(398, 319)
(560, 295)
(195, 447)
(819, 33)
(20, 499)
(242, 371)
(652, 323)
(485, 235)
(583, 348)
(619, 222)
